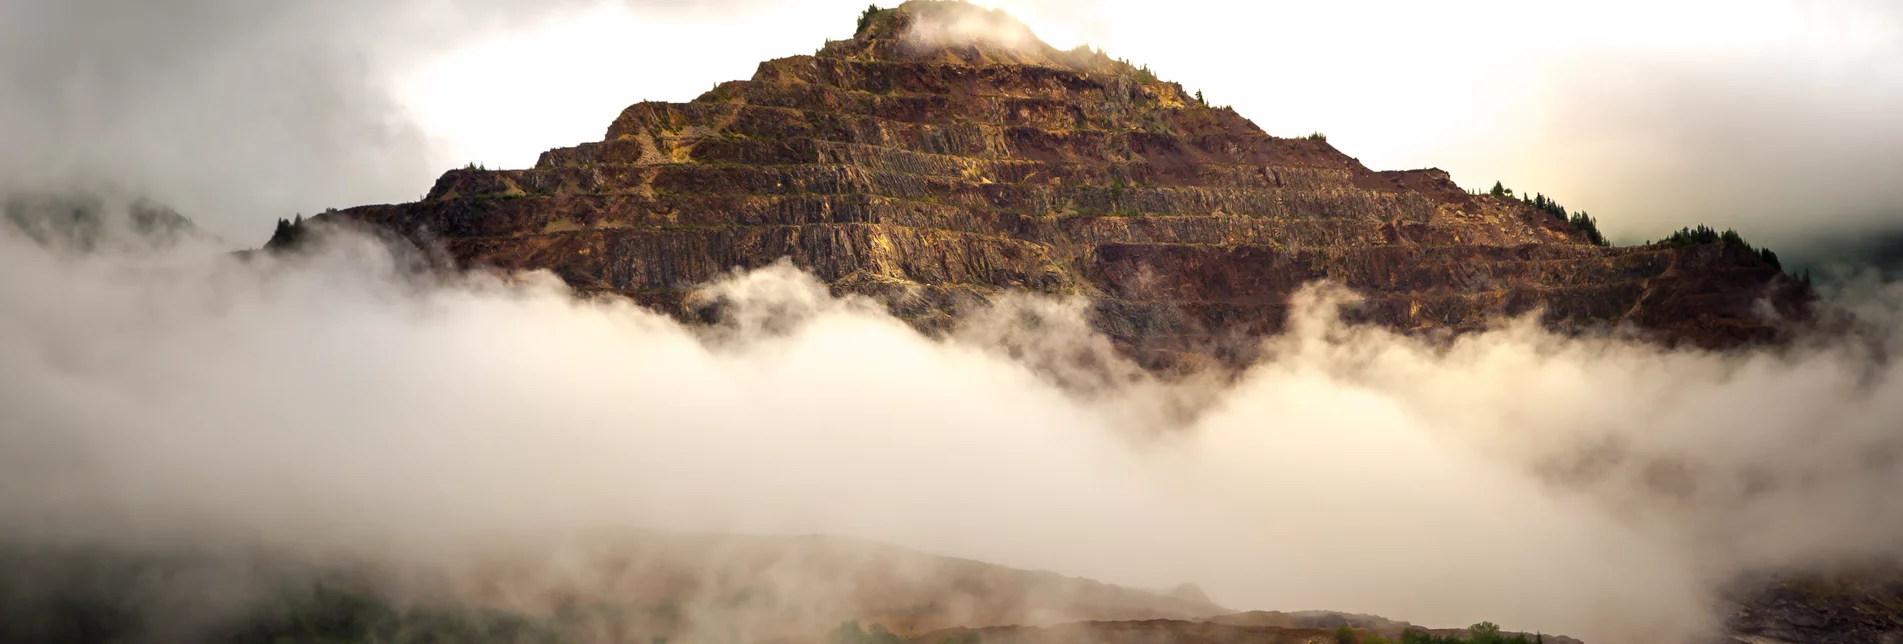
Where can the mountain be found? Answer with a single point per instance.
(943, 155)
(89, 221)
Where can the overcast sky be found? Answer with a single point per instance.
(1773, 116)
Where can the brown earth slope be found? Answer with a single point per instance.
(943, 155)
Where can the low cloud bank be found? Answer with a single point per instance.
(341, 406)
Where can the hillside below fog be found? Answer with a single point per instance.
(632, 588)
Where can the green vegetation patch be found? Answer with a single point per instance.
(1481, 633)
(1701, 234)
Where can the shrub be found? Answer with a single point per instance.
(1586, 224)
(1770, 258)
(1702, 234)
(288, 234)
(1317, 136)
(849, 632)
(1345, 635)
(1580, 220)
(339, 615)
(1692, 236)
(865, 17)
(1481, 633)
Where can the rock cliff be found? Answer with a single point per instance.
(943, 155)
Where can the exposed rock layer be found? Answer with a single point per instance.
(943, 155)
(1862, 607)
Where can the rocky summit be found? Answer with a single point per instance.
(944, 155)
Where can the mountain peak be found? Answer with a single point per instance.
(945, 22)
(955, 32)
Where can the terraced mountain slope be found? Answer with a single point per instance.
(943, 155)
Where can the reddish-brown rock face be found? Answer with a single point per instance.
(942, 155)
